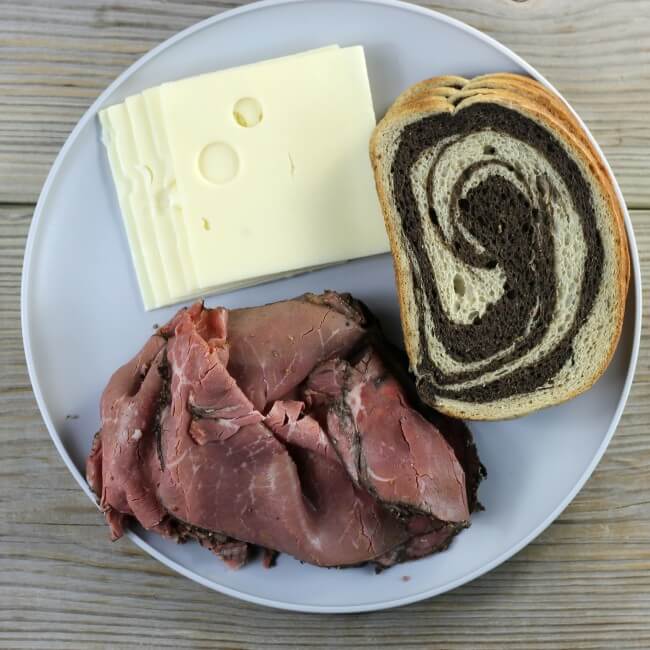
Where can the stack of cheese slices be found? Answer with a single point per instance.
(247, 174)
(508, 242)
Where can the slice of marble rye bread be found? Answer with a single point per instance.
(508, 243)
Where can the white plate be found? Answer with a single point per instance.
(82, 314)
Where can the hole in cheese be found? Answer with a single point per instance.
(218, 162)
(247, 112)
(147, 173)
(167, 197)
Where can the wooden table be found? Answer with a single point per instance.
(585, 583)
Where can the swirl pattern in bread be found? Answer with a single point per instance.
(508, 243)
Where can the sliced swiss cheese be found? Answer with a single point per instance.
(247, 174)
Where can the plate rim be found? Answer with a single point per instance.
(37, 219)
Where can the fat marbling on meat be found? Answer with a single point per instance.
(280, 427)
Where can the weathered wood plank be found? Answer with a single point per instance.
(585, 583)
(55, 58)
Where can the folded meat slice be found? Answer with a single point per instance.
(322, 482)
(122, 468)
(385, 444)
(226, 431)
(274, 347)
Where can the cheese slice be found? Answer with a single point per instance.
(243, 175)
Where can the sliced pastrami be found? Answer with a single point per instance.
(202, 439)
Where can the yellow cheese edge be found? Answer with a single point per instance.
(122, 185)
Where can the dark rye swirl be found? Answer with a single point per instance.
(508, 243)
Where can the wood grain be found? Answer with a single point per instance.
(56, 57)
(585, 583)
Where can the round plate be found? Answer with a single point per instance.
(82, 314)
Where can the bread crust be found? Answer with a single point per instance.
(535, 101)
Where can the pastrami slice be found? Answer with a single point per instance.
(387, 446)
(273, 348)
